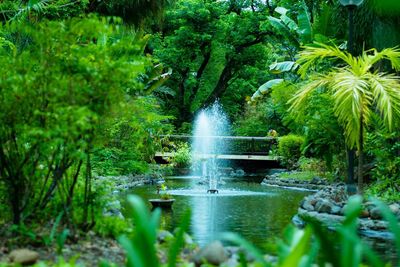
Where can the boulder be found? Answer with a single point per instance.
(324, 206)
(395, 208)
(232, 262)
(307, 205)
(188, 239)
(23, 256)
(375, 213)
(213, 253)
(336, 209)
(297, 221)
(240, 172)
(364, 213)
(315, 180)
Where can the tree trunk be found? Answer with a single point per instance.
(183, 109)
(361, 157)
(15, 203)
(222, 84)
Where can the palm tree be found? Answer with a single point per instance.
(358, 90)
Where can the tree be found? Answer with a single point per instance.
(57, 88)
(216, 49)
(134, 12)
(358, 89)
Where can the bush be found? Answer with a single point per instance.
(384, 189)
(258, 120)
(112, 226)
(312, 164)
(289, 148)
(182, 157)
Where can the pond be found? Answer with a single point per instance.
(258, 213)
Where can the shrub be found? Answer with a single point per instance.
(384, 189)
(182, 157)
(312, 164)
(258, 120)
(112, 226)
(289, 148)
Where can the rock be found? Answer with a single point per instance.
(326, 219)
(188, 239)
(240, 172)
(307, 205)
(364, 213)
(315, 180)
(383, 235)
(270, 258)
(375, 213)
(213, 253)
(298, 222)
(369, 205)
(336, 209)
(164, 236)
(232, 262)
(344, 208)
(324, 206)
(23, 256)
(232, 251)
(395, 208)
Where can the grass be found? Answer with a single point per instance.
(301, 175)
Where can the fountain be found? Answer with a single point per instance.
(210, 123)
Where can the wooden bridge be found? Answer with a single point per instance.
(240, 149)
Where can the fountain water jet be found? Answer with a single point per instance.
(209, 124)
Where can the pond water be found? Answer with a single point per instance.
(258, 213)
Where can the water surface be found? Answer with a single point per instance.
(258, 213)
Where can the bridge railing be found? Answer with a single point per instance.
(235, 145)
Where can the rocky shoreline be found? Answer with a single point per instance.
(327, 206)
(126, 182)
(314, 184)
(120, 184)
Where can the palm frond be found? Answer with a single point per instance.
(37, 6)
(356, 89)
(390, 54)
(351, 94)
(386, 91)
(298, 100)
(310, 56)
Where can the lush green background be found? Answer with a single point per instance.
(89, 88)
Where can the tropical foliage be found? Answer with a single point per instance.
(91, 89)
(56, 92)
(357, 90)
(290, 149)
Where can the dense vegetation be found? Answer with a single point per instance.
(90, 88)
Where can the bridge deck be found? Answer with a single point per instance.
(232, 157)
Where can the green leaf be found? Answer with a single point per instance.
(299, 246)
(268, 85)
(264, 89)
(281, 10)
(178, 243)
(284, 66)
(304, 24)
(141, 248)
(392, 220)
(236, 239)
